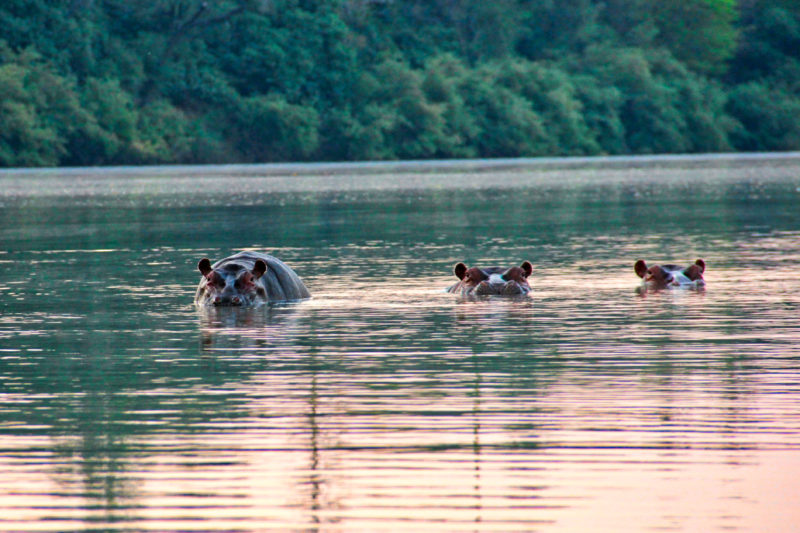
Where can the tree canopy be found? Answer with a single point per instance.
(99, 82)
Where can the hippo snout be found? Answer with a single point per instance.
(505, 288)
(495, 284)
(512, 288)
(227, 300)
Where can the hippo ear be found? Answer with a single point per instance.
(701, 264)
(459, 270)
(694, 272)
(259, 269)
(527, 267)
(204, 266)
(640, 268)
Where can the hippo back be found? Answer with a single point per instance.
(280, 281)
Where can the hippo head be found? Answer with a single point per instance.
(230, 284)
(492, 280)
(663, 276)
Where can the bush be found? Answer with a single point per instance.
(507, 124)
(39, 110)
(661, 105)
(268, 128)
(110, 128)
(553, 96)
(768, 117)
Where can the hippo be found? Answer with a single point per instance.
(506, 281)
(669, 276)
(247, 278)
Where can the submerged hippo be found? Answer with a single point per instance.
(667, 276)
(247, 278)
(492, 280)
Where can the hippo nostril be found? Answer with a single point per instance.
(484, 288)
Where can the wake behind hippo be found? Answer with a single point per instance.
(485, 281)
(246, 279)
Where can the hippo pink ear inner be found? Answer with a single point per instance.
(527, 267)
(204, 266)
(460, 270)
(640, 268)
(259, 269)
(693, 273)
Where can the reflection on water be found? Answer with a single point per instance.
(384, 403)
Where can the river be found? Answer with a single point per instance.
(384, 403)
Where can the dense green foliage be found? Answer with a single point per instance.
(92, 82)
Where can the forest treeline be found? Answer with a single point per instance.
(106, 82)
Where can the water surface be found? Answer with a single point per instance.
(383, 403)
